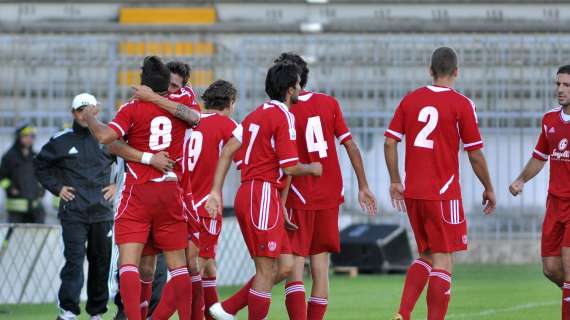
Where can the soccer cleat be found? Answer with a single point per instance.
(219, 313)
(398, 316)
(66, 315)
(96, 317)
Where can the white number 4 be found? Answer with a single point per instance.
(430, 115)
(315, 139)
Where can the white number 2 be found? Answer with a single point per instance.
(314, 136)
(160, 133)
(430, 115)
(254, 129)
(194, 149)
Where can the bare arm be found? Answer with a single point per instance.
(396, 186)
(214, 202)
(180, 111)
(99, 130)
(532, 168)
(365, 196)
(479, 165)
(159, 161)
(301, 169)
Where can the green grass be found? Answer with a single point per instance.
(479, 292)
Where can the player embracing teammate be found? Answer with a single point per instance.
(435, 119)
(553, 144)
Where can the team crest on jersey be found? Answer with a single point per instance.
(563, 144)
(292, 134)
(271, 245)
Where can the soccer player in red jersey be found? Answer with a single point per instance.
(269, 138)
(435, 119)
(553, 144)
(151, 202)
(313, 202)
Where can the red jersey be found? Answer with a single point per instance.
(187, 97)
(202, 152)
(553, 143)
(319, 121)
(269, 141)
(435, 120)
(148, 128)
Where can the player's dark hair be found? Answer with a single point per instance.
(219, 95)
(155, 74)
(180, 68)
(298, 60)
(564, 69)
(281, 77)
(443, 62)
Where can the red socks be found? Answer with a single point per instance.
(439, 292)
(146, 293)
(566, 301)
(197, 298)
(239, 300)
(416, 280)
(295, 300)
(166, 307)
(130, 288)
(258, 304)
(210, 294)
(317, 308)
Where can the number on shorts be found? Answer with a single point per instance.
(430, 115)
(160, 133)
(254, 129)
(315, 138)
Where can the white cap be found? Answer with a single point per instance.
(83, 99)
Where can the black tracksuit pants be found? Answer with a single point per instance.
(81, 239)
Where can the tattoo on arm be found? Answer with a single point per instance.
(187, 114)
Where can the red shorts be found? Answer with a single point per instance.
(556, 226)
(152, 207)
(209, 234)
(193, 227)
(317, 233)
(260, 216)
(438, 225)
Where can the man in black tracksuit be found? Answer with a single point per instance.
(73, 166)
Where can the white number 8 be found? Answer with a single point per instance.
(160, 133)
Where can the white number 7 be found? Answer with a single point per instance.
(430, 115)
(254, 129)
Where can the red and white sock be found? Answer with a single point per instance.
(238, 301)
(566, 301)
(210, 294)
(295, 300)
(317, 308)
(258, 304)
(416, 280)
(439, 293)
(130, 289)
(197, 297)
(146, 293)
(182, 292)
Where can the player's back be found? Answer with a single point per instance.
(202, 151)
(318, 121)
(149, 128)
(435, 120)
(269, 141)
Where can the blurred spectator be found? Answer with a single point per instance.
(23, 191)
(73, 166)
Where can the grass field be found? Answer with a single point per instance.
(479, 292)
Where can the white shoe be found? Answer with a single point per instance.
(97, 317)
(219, 313)
(67, 315)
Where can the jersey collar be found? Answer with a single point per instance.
(279, 103)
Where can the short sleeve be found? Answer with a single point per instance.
(228, 130)
(123, 119)
(468, 128)
(341, 131)
(396, 129)
(541, 149)
(238, 133)
(286, 140)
